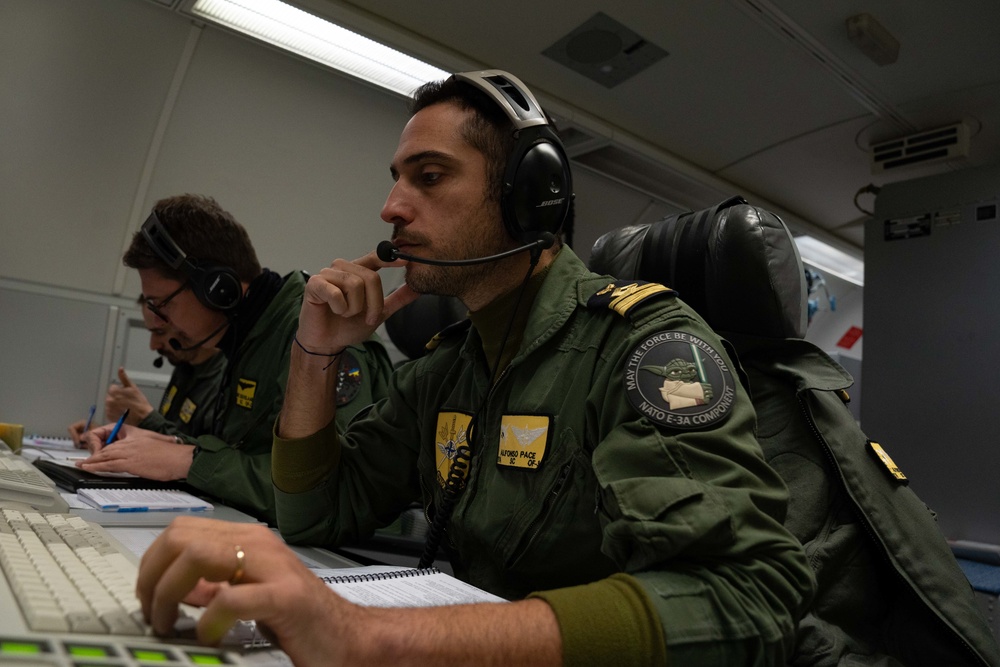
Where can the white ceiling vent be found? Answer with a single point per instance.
(938, 145)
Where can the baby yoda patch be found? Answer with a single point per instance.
(680, 381)
(523, 441)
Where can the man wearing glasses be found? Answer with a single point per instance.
(200, 276)
(186, 407)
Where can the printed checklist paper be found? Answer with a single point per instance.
(143, 500)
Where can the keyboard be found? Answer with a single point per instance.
(74, 586)
(22, 482)
(67, 576)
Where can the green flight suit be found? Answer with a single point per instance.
(188, 403)
(234, 463)
(571, 484)
(890, 592)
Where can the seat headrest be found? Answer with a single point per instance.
(413, 325)
(736, 264)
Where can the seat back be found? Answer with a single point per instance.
(889, 589)
(412, 326)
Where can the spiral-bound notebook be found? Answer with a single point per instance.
(392, 586)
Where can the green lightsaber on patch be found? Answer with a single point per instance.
(697, 363)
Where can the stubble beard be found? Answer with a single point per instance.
(459, 281)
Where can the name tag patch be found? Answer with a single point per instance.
(187, 410)
(452, 430)
(523, 440)
(678, 380)
(245, 390)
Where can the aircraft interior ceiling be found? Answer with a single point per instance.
(770, 98)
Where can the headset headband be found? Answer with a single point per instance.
(162, 244)
(510, 94)
(537, 189)
(217, 287)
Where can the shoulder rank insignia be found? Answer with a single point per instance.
(623, 295)
(894, 472)
(678, 380)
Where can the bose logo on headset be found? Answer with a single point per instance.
(215, 286)
(538, 166)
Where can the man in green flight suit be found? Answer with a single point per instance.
(625, 531)
(186, 407)
(200, 275)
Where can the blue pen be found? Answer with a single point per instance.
(90, 418)
(114, 431)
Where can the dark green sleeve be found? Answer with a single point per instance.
(154, 421)
(241, 478)
(299, 465)
(608, 622)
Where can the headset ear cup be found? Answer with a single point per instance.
(537, 187)
(216, 287)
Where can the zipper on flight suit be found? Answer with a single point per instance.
(477, 455)
(535, 527)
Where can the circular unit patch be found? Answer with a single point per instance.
(678, 380)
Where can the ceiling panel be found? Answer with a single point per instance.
(769, 97)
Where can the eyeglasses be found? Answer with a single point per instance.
(158, 308)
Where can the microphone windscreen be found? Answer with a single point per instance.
(386, 251)
(158, 362)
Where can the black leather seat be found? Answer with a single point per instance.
(413, 325)
(889, 589)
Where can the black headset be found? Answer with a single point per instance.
(537, 185)
(216, 286)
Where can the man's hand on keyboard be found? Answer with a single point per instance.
(193, 560)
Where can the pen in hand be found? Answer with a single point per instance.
(114, 431)
(90, 418)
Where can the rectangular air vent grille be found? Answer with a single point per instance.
(938, 145)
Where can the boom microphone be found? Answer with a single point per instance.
(387, 252)
(176, 344)
(158, 362)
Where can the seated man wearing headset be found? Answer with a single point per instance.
(201, 277)
(187, 404)
(623, 530)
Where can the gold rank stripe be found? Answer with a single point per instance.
(625, 302)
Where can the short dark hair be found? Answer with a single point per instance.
(204, 231)
(488, 130)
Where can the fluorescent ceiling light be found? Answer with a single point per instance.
(828, 259)
(309, 36)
